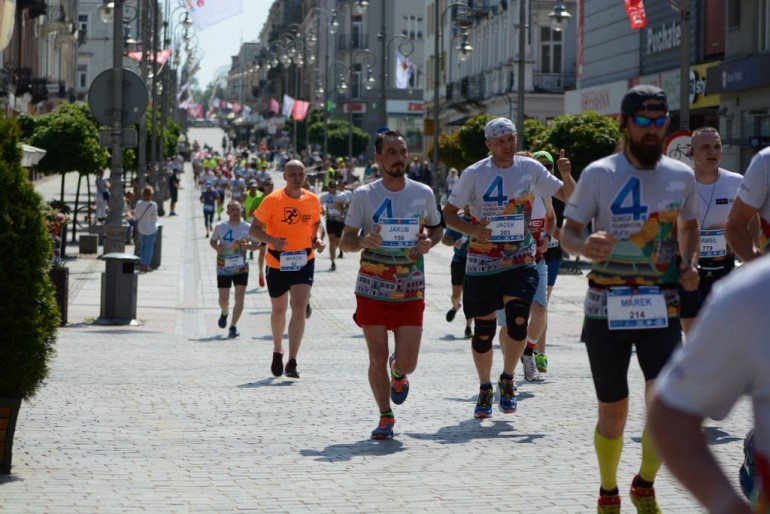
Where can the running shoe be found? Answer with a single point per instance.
(341, 255)
(468, 333)
(222, 321)
(291, 369)
(277, 366)
(541, 360)
(530, 368)
(643, 499)
(399, 387)
(608, 504)
(233, 332)
(450, 315)
(385, 429)
(261, 280)
(484, 404)
(508, 402)
(308, 311)
(334, 267)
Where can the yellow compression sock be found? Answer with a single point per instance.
(608, 454)
(650, 460)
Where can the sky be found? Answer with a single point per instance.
(223, 40)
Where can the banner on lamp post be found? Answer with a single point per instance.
(636, 14)
(205, 13)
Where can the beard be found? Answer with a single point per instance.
(644, 151)
(396, 170)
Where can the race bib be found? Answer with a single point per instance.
(506, 228)
(208, 208)
(645, 308)
(234, 263)
(399, 232)
(293, 261)
(713, 243)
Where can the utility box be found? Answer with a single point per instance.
(119, 287)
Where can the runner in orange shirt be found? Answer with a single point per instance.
(289, 221)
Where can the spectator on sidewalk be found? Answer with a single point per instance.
(102, 196)
(146, 215)
(173, 188)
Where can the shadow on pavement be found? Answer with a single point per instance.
(715, 435)
(346, 452)
(269, 381)
(471, 429)
(207, 339)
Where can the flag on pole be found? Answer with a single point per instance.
(182, 90)
(288, 105)
(205, 13)
(163, 56)
(274, 107)
(636, 14)
(300, 110)
(185, 104)
(404, 70)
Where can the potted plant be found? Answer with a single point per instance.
(29, 317)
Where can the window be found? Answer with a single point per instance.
(357, 34)
(82, 27)
(82, 76)
(412, 27)
(551, 50)
(356, 82)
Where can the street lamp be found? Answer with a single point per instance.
(114, 233)
(312, 40)
(464, 51)
(559, 19)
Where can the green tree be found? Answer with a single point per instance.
(31, 318)
(533, 134)
(338, 137)
(584, 137)
(70, 137)
(450, 153)
(471, 138)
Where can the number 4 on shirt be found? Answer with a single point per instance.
(496, 188)
(633, 188)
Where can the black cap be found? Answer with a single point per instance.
(635, 98)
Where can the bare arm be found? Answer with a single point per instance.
(564, 166)
(596, 246)
(741, 230)
(353, 241)
(680, 442)
(453, 221)
(689, 249)
(257, 231)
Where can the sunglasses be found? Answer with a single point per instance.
(547, 165)
(645, 121)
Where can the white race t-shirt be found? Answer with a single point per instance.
(755, 192)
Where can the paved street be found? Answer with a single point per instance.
(172, 416)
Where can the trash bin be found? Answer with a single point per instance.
(157, 248)
(119, 286)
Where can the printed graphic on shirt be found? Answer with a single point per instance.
(231, 261)
(393, 273)
(646, 248)
(501, 254)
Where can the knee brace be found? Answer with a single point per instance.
(483, 328)
(517, 309)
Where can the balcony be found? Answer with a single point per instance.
(553, 82)
(469, 89)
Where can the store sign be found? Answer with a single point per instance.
(604, 99)
(739, 74)
(404, 107)
(354, 107)
(667, 37)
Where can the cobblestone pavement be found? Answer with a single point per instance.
(172, 416)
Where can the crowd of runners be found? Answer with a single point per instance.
(660, 234)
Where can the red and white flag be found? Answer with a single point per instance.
(636, 14)
(205, 13)
(275, 108)
(300, 110)
(404, 70)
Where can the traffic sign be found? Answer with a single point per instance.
(134, 97)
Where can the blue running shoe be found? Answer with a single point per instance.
(233, 332)
(222, 321)
(385, 429)
(399, 387)
(508, 402)
(484, 404)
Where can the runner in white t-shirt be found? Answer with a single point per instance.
(744, 238)
(696, 384)
(231, 241)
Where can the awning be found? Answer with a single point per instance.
(31, 155)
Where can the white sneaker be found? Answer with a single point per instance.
(530, 368)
